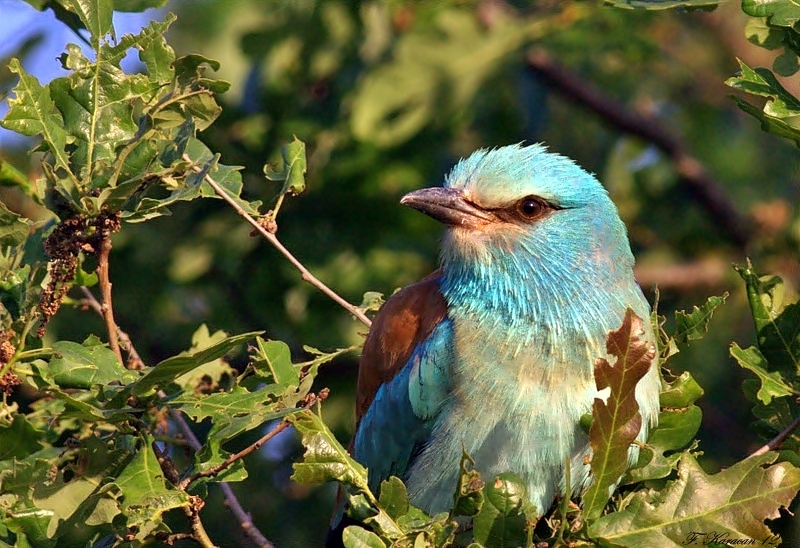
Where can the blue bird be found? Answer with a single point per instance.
(494, 352)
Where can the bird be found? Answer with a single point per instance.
(493, 353)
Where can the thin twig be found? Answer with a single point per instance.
(245, 521)
(214, 471)
(230, 498)
(105, 288)
(775, 442)
(272, 239)
(706, 191)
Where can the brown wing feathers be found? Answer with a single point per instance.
(407, 319)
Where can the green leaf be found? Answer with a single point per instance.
(678, 423)
(779, 12)
(10, 176)
(777, 324)
(354, 536)
(19, 439)
(208, 375)
(781, 112)
(394, 497)
(506, 517)
(170, 369)
(95, 16)
(13, 228)
(694, 325)
(676, 429)
(734, 502)
(278, 358)
(82, 365)
(33, 112)
(146, 494)
(617, 421)
(71, 501)
(326, 460)
(231, 414)
(682, 392)
(772, 383)
(293, 170)
(469, 495)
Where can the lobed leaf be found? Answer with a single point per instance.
(772, 383)
(781, 112)
(733, 503)
(617, 421)
(82, 365)
(694, 325)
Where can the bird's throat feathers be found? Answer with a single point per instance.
(549, 290)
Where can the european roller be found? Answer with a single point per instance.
(494, 352)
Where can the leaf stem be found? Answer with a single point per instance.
(272, 239)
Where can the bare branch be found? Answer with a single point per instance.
(272, 239)
(245, 521)
(105, 288)
(705, 190)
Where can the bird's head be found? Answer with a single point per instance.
(519, 213)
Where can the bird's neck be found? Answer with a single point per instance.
(550, 305)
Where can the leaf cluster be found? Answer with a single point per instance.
(774, 26)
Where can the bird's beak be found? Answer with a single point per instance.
(448, 206)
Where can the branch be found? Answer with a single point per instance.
(105, 288)
(775, 442)
(705, 190)
(272, 239)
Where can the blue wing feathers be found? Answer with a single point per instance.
(400, 419)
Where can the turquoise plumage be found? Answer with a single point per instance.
(494, 352)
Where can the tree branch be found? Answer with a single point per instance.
(272, 239)
(105, 289)
(705, 190)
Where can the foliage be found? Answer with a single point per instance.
(773, 27)
(96, 455)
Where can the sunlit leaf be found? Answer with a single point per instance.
(734, 502)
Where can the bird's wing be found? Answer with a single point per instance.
(403, 378)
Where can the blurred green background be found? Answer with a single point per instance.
(387, 96)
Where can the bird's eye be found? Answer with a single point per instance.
(529, 207)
